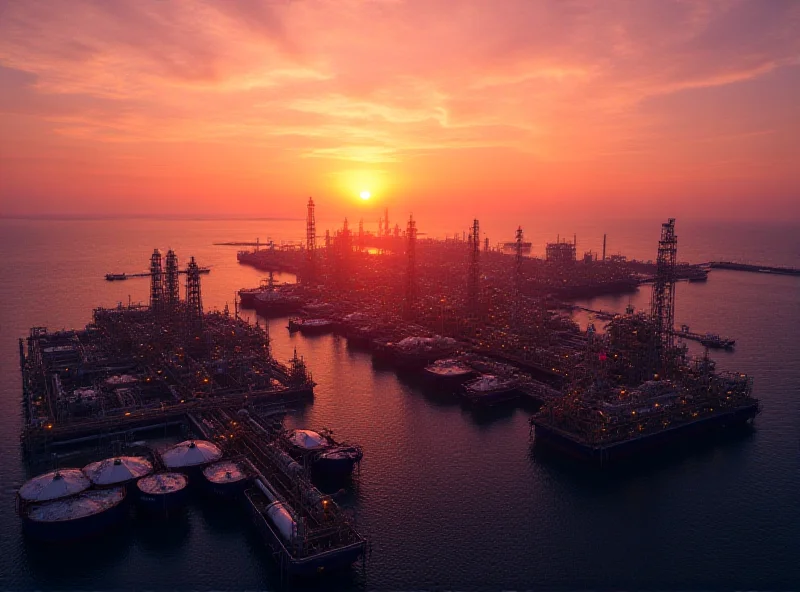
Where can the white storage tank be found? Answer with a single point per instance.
(54, 485)
(191, 453)
(117, 471)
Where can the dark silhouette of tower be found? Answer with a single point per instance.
(662, 302)
(311, 241)
(386, 221)
(518, 261)
(473, 289)
(171, 284)
(411, 281)
(604, 247)
(156, 282)
(194, 303)
(361, 234)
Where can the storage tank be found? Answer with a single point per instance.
(225, 478)
(282, 519)
(85, 514)
(191, 453)
(54, 485)
(307, 440)
(117, 471)
(162, 491)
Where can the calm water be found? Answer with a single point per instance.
(448, 499)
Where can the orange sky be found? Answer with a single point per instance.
(242, 108)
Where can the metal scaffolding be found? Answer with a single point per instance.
(156, 282)
(311, 241)
(172, 285)
(473, 291)
(662, 302)
(411, 282)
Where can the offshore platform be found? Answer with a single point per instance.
(139, 367)
(635, 389)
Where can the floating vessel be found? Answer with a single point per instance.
(491, 390)
(610, 424)
(284, 533)
(162, 491)
(117, 471)
(54, 485)
(311, 326)
(191, 453)
(113, 277)
(324, 455)
(225, 478)
(276, 303)
(85, 514)
(717, 342)
(449, 372)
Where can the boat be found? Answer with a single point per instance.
(276, 303)
(113, 277)
(715, 341)
(277, 522)
(160, 492)
(85, 514)
(310, 326)
(448, 372)
(490, 389)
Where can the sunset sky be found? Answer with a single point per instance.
(247, 107)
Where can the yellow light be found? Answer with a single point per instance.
(365, 195)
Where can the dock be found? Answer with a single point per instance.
(754, 268)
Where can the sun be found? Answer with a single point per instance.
(365, 195)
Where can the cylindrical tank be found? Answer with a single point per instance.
(162, 491)
(75, 517)
(117, 471)
(54, 485)
(225, 478)
(191, 453)
(282, 519)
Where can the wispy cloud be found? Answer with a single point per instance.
(383, 81)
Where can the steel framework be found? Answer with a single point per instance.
(411, 282)
(662, 302)
(172, 284)
(156, 282)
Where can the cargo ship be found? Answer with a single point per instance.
(490, 389)
(449, 372)
(285, 533)
(310, 326)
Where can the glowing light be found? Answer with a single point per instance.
(365, 195)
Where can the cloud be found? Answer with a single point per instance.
(387, 80)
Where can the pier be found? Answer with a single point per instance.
(754, 268)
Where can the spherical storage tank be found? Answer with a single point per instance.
(54, 485)
(225, 478)
(116, 471)
(191, 453)
(74, 517)
(162, 491)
